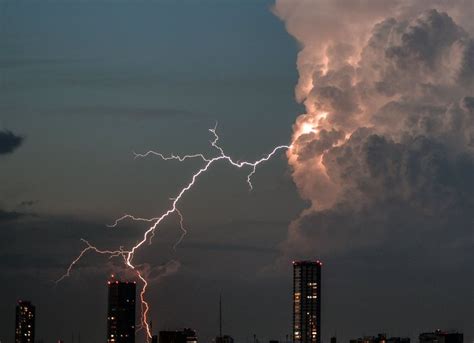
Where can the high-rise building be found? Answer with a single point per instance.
(184, 336)
(25, 322)
(307, 301)
(440, 336)
(121, 312)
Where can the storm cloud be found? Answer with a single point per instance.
(385, 149)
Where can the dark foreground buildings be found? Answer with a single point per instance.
(25, 322)
(441, 337)
(184, 336)
(226, 339)
(380, 338)
(307, 301)
(121, 312)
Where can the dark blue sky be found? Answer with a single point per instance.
(106, 78)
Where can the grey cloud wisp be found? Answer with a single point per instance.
(9, 142)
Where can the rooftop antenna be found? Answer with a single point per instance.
(220, 315)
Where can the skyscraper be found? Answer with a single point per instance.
(307, 301)
(25, 322)
(121, 312)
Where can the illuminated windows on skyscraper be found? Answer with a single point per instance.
(25, 322)
(121, 312)
(307, 302)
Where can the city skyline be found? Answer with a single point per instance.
(198, 147)
(306, 323)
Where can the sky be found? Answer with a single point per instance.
(84, 84)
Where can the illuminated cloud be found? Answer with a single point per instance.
(388, 88)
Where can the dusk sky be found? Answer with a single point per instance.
(378, 183)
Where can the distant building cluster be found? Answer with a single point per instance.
(178, 336)
(437, 336)
(441, 337)
(121, 314)
(380, 338)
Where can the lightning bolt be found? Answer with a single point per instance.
(128, 255)
(183, 229)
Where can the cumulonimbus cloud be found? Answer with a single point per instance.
(386, 143)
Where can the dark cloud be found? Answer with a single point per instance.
(7, 216)
(395, 193)
(27, 203)
(419, 169)
(418, 59)
(424, 41)
(466, 72)
(9, 142)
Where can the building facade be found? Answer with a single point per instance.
(121, 312)
(307, 301)
(25, 322)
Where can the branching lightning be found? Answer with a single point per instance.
(128, 255)
(183, 229)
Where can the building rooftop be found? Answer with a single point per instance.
(307, 262)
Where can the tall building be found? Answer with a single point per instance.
(440, 336)
(121, 312)
(307, 301)
(25, 322)
(184, 336)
